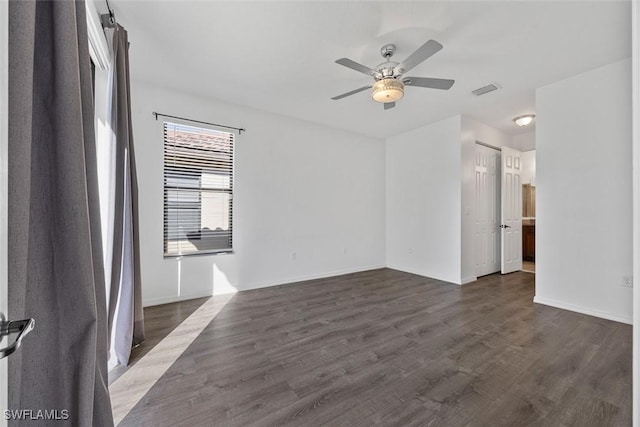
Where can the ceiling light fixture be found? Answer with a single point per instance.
(387, 90)
(524, 120)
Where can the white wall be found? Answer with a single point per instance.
(431, 198)
(528, 167)
(423, 200)
(484, 133)
(473, 131)
(299, 187)
(584, 209)
(524, 141)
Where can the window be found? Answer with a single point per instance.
(198, 190)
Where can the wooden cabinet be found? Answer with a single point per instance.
(528, 201)
(529, 242)
(528, 223)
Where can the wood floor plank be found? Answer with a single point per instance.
(577, 408)
(388, 348)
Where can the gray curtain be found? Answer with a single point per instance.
(125, 302)
(55, 260)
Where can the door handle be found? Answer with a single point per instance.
(21, 327)
(504, 226)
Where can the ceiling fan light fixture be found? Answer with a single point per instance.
(387, 90)
(524, 120)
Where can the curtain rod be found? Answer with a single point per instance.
(108, 20)
(240, 130)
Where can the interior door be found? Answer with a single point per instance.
(4, 118)
(511, 211)
(487, 225)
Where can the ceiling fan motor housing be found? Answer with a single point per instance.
(387, 68)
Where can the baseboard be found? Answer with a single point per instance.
(582, 310)
(284, 281)
(303, 278)
(176, 298)
(419, 273)
(469, 279)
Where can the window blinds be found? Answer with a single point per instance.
(198, 190)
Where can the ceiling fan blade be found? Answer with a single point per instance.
(425, 51)
(355, 66)
(429, 82)
(389, 105)
(344, 95)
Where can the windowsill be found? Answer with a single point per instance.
(198, 254)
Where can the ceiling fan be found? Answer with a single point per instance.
(389, 81)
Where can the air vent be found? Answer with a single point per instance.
(485, 89)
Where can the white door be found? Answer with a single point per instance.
(487, 225)
(511, 222)
(4, 71)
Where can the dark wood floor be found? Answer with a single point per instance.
(159, 321)
(394, 349)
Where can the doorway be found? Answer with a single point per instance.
(488, 233)
(529, 211)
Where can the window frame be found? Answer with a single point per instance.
(230, 192)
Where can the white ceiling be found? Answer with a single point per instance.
(279, 56)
